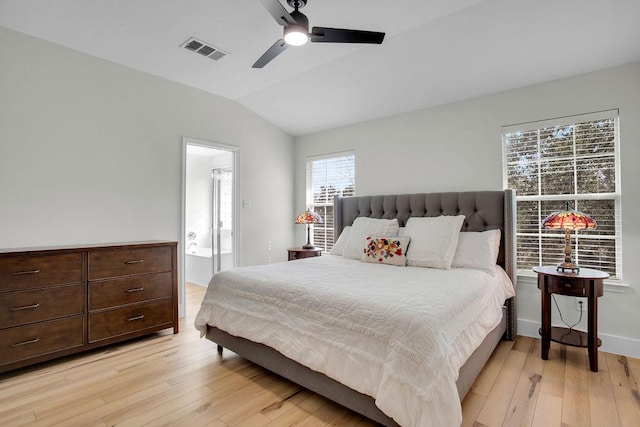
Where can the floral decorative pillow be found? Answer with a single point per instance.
(386, 250)
(363, 227)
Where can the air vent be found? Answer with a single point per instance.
(204, 49)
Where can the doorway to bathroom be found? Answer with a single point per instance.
(209, 238)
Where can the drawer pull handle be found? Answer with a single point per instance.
(131, 319)
(134, 290)
(135, 261)
(26, 307)
(22, 273)
(567, 285)
(33, 341)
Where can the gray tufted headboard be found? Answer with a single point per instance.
(483, 210)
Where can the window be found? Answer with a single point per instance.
(570, 160)
(328, 176)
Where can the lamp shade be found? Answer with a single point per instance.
(295, 35)
(569, 220)
(308, 217)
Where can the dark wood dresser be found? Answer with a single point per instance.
(57, 301)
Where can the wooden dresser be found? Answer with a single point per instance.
(61, 300)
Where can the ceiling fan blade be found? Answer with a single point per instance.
(275, 50)
(341, 35)
(279, 13)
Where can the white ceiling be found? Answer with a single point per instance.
(435, 51)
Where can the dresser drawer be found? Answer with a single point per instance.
(571, 287)
(25, 307)
(33, 271)
(129, 319)
(24, 342)
(123, 262)
(128, 290)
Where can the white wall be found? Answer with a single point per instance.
(457, 147)
(91, 151)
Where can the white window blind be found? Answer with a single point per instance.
(328, 176)
(567, 160)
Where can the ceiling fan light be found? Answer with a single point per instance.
(295, 35)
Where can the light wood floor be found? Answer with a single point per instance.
(180, 380)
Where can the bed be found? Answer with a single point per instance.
(315, 326)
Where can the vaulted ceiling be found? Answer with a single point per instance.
(434, 52)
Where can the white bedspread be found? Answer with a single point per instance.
(399, 334)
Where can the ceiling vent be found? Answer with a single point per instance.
(204, 49)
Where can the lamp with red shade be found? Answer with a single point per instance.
(568, 220)
(308, 217)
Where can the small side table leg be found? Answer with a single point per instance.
(592, 327)
(546, 322)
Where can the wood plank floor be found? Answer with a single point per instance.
(180, 380)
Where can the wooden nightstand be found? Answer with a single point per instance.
(584, 283)
(299, 253)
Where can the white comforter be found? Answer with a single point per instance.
(399, 334)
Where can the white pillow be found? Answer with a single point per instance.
(338, 246)
(362, 228)
(477, 250)
(433, 240)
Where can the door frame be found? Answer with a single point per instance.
(235, 238)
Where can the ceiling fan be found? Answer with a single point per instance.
(296, 31)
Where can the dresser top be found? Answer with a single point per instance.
(87, 246)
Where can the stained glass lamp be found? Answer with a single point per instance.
(568, 220)
(307, 217)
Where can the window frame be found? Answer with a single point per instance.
(575, 196)
(327, 228)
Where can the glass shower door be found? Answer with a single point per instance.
(222, 224)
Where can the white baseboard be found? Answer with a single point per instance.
(610, 343)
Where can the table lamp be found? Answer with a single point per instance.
(568, 220)
(307, 217)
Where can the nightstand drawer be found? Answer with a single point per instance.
(35, 271)
(128, 290)
(130, 319)
(25, 342)
(571, 287)
(22, 307)
(125, 262)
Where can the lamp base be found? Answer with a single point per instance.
(568, 263)
(568, 266)
(308, 245)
